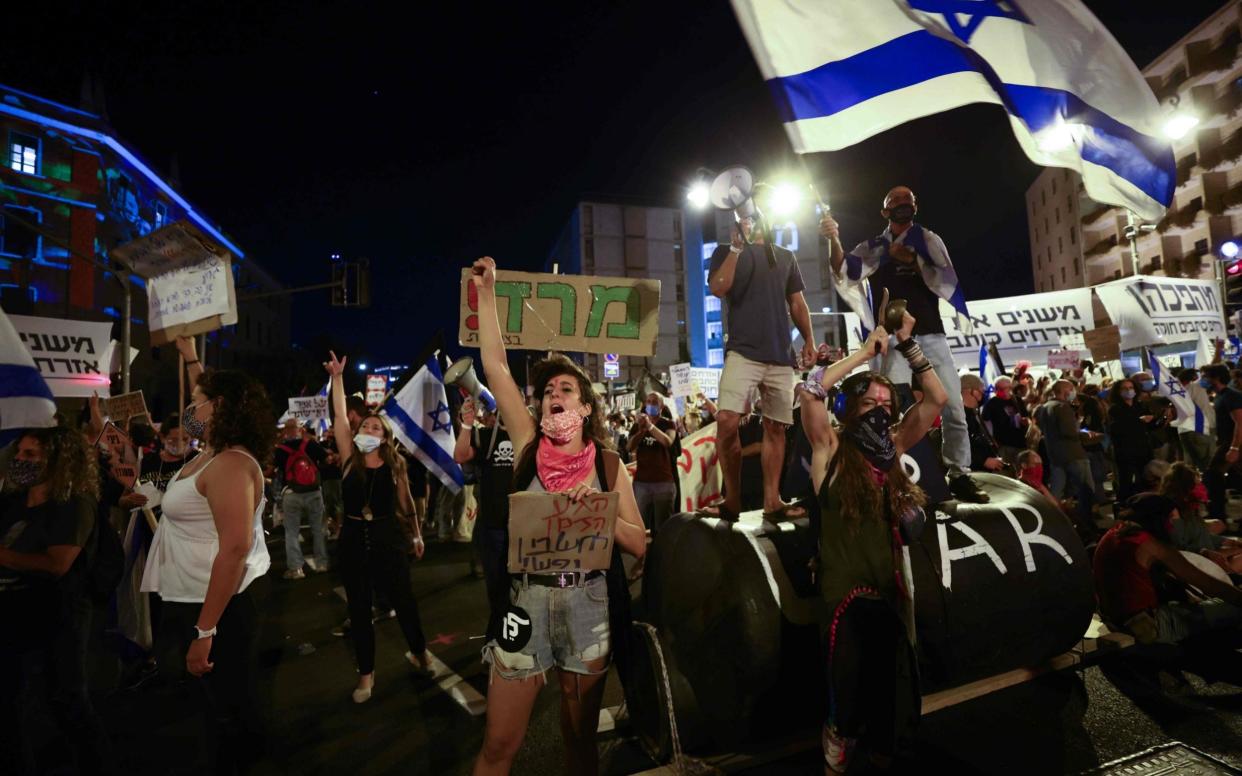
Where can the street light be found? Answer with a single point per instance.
(362, 367)
(1180, 121)
(698, 195)
(786, 198)
(1229, 250)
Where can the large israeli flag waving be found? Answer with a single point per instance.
(845, 70)
(423, 422)
(25, 399)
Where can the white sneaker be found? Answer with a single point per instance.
(837, 750)
(363, 694)
(294, 574)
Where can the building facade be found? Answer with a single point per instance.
(1076, 241)
(65, 170)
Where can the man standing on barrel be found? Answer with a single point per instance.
(762, 286)
(907, 261)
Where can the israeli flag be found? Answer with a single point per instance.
(25, 400)
(845, 70)
(988, 370)
(1189, 416)
(423, 422)
(322, 426)
(1205, 351)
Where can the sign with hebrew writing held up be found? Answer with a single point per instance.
(549, 533)
(307, 409)
(698, 470)
(127, 405)
(1150, 311)
(189, 280)
(121, 454)
(68, 353)
(569, 313)
(1021, 327)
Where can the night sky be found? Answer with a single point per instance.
(423, 140)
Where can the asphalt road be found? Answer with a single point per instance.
(1064, 723)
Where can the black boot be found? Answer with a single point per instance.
(964, 488)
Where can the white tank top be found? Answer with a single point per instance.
(185, 543)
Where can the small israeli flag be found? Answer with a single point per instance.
(1189, 416)
(25, 400)
(423, 422)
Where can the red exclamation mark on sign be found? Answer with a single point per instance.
(472, 299)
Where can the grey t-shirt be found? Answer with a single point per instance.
(1059, 424)
(757, 313)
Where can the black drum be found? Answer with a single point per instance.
(997, 586)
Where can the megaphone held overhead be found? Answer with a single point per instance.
(732, 190)
(462, 374)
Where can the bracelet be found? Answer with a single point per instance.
(195, 361)
(904, 347)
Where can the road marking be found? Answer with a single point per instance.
(458, 689)
(608, 719)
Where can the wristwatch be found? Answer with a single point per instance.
(199, 633)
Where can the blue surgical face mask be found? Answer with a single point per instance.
(651, 410)
(1205, 383)
(366, 443)
(1127, 394)
(1149, 386)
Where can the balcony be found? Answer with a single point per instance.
(1188, 266)
(1102, 247)
(1218, 204)
(1090, 216)
(1201, 59)
(1229, 150)
(1181, 218)
(1184, 167)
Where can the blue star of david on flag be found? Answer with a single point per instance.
(1175, 387)
(975, 12)
(436, 423)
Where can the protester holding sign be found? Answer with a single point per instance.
(373, 547)
(585, 613)
(868, 511)
(209, 548)
(47, 525)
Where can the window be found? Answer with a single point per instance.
(588, 249)
(1073, 236)
(1054, 187)
(17, 239)
(1201, 247)
(1063, 281)
(588, 219)
(24, 153)
(715, 357)
(1060, 247)
(161, 214)
(1058, 215)
(1077, 269)
(715, 330)
(1043, 198)
(1049, 254)
(711, 304)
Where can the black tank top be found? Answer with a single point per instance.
(373, 487)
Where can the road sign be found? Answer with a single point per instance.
(612, 370)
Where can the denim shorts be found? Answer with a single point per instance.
(569, 628)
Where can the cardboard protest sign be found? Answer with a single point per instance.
(1064, 359)
(1104, 343)
(548, 532)
(574, 313)
(127, 405)
(686, 380)
(307, 409)
(122, 456)
(68, 354)
(698, 469)
(189, 280)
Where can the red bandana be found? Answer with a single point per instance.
(561, 471)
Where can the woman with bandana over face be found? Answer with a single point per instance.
(868, 510)
(576, 621)
(374, 550)
(209, 548)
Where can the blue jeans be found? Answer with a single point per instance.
(296, 506)
(956, 438)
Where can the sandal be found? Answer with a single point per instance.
(719, 511)
(421, 667)
(786, 512)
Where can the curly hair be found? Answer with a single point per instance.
(72, 464)
(243, 414)
(542, 373)
(860, 496)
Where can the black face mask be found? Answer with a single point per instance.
(901, 214)
(872, 434)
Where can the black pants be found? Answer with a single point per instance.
(1129, 475)
(226, 692)
(373, 559)
(863, 674)
(492, 545)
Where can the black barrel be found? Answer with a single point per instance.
(738, 617)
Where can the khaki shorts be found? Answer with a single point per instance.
(740, 379)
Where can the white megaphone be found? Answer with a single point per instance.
(461, 374)
(734, 190)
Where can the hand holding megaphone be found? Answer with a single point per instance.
(462, 374)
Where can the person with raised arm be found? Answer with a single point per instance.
(373, 548)
(577, 621)
(868, 511)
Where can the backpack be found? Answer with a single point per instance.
(107, 567)
(300, 470)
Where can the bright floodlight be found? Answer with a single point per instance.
(697, 196)
(362, 367)
(1229, 250)
(1059, 137)
(1179, 124)
(785, 199)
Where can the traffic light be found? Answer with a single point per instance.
(1233, 282)
(352, 283)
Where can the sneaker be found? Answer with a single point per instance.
(837, 750)
(341, 629)
(964, 488)
(294, 574)
(317, 567)
(377, 615)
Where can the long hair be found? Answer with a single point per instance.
(542, 373)
(1114, 393)
(243, 417)
(72, 466)
(860, 496)
(387, 452)
(1176, 485)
